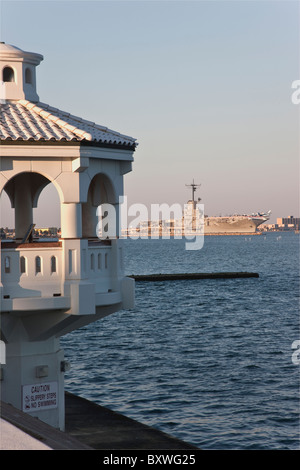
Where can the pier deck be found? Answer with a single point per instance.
(102, 428)
(88, 427)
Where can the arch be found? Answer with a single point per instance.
(28, 75)
(34, 182)
(38, 265)
(39, 182)
(23, 263)
(23, 191)
(92, 262)
(101, 190)
(53, 264)
(8, 74)
(7, 264)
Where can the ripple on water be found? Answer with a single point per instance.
(206, 361)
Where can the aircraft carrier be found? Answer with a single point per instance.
(226, 225)
(193, 223)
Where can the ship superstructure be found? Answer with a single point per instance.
(225, 225)
(194, 222)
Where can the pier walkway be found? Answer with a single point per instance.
(88, 427)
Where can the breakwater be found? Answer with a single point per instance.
(192, 276)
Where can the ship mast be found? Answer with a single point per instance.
(193, 186)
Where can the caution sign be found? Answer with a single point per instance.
(38, 397)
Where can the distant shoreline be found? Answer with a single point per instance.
(167, 236)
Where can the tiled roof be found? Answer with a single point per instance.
(23, 120)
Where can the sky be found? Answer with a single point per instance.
(204, 86)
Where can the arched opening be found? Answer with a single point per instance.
(46, 215)
(22, 265)
(7, 264)
(29, 198)
(38, 265)
(53, 264)
(92, 262)
(28, 76)
(100, 191)
(8, 74)
(7, 222)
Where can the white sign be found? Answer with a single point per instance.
(38, 397)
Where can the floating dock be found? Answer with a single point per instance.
(192, 276)
(88, 427)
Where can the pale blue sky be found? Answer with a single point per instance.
(204, 86)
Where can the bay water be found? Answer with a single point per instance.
(211, 361)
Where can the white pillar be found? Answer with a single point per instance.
(33, 379)
(71, 220)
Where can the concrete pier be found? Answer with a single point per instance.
(192, 276)
(88, 427)
(21, 431)
(102, 428)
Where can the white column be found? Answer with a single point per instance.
(35, 364)
(71, 220)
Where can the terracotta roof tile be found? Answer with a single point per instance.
(23, 120)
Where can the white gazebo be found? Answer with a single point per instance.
(48, 289)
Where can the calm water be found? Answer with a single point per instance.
(208, 361)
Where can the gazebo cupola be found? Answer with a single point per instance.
(48, 289)
(18, 76)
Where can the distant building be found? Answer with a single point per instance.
(45, 231)
(288, 223)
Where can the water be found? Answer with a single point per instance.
(207, 361)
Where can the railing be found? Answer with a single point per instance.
(31, 270)
(37, 269)
(99, 267)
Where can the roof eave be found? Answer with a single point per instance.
(84, 143)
